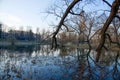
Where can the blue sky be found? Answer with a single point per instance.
(17, 13)
(28, 13)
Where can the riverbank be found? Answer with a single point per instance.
(30, 43)
(18, 43)
(113, 47)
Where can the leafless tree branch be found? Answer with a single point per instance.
(107, 3)
(62, 21)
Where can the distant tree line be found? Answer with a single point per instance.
(44, 36)
(19, 35)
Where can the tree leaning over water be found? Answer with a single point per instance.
(75, 8)
(114, 10)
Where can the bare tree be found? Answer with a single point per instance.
(62, 21)
(74, 8)
(114, 10)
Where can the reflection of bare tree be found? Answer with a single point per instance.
(63, 52)
(89, 69)
(116, 73)
(81, 54)
(82, 63)
(45, 50)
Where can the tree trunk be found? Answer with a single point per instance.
(114, 9)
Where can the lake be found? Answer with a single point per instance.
(42, 63)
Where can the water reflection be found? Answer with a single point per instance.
(107, 68)
(41, 63)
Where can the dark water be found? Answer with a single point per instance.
(41, 63)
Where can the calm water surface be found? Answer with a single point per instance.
(41, 63)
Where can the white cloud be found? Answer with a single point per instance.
(10, 20)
